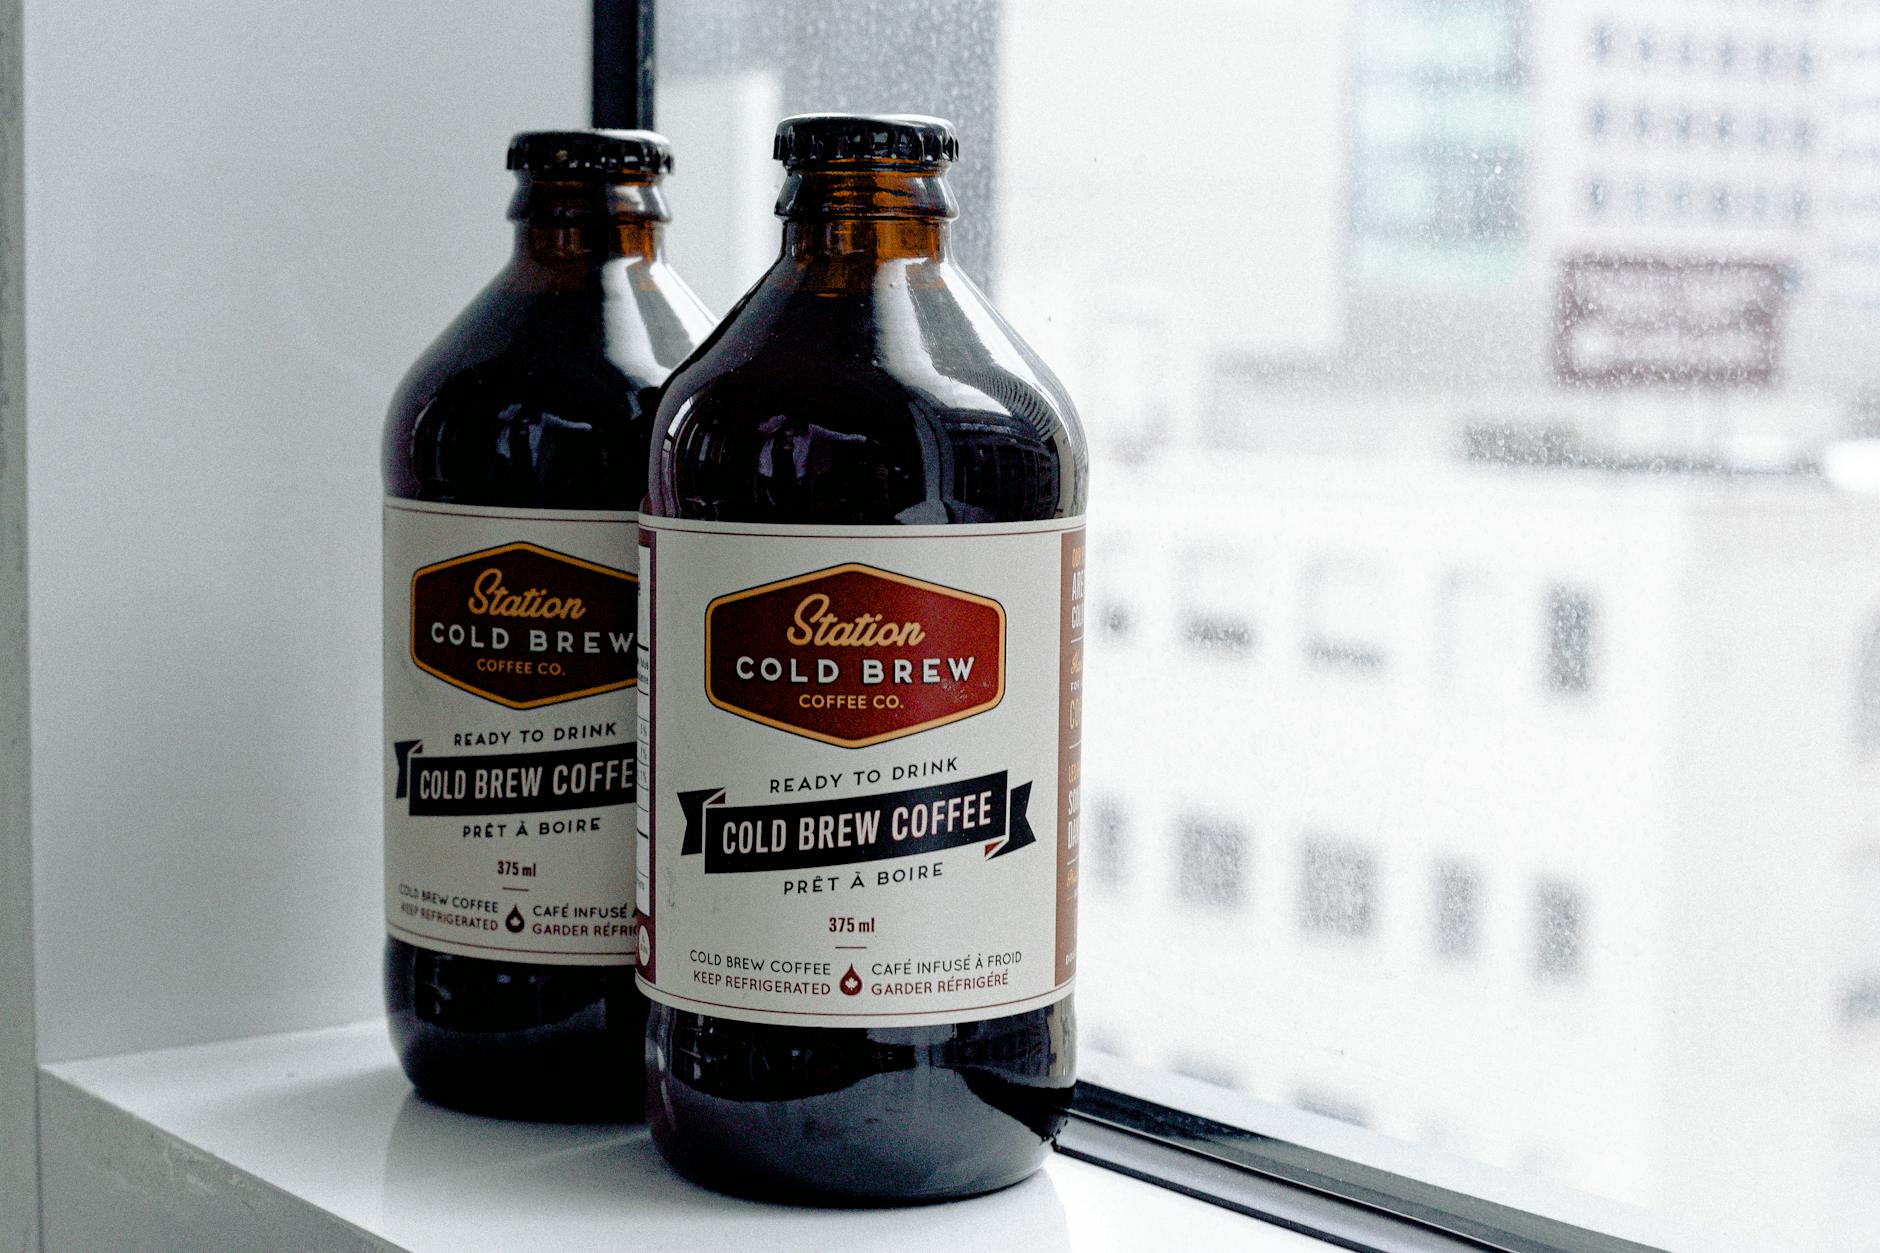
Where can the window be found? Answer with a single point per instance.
(1458, 908)
(1559, 940)
(1338, 889)
(1570, 627)
(1345, 603)
(1212, 852)
(1326, 1105)
(1860, 1004)
(1216, 591)
(1867, 695)
(1502, 698)
(1109, 846)
(1117, 618)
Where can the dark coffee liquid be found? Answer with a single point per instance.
(540, 395)
(864, 380)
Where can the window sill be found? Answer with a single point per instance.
(314, 1141)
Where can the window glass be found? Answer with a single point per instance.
(1484, 406)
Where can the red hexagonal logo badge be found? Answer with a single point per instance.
(853, 655)
(525, 626)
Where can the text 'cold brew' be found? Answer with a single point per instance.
(864, 567)
(515, 459)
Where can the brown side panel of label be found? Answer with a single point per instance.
(1070, 747)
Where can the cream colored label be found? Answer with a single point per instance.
(510, 755)
(860, 793)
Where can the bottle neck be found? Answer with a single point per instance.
(865, 213)
(575, 226)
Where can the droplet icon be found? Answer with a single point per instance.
(851, 984)
(514, 921)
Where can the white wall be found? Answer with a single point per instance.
(19, 1202)
(245, 220)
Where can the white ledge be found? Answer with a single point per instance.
(314, 1141)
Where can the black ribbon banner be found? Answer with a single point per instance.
(740, 839)
(515, 783)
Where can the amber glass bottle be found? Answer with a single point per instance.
(514, 461)
(864, 557)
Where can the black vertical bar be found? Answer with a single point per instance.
(623, 64)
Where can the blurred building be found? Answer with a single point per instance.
(1522, 812)
(1480, 755)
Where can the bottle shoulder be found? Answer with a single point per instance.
(909, 401)
(537, 397)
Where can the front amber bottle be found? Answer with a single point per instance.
(864, 557)
(514, 461)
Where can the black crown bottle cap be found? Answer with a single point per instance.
(817, 137)
(590, 152)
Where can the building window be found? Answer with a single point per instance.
(1726, 127)
(1595, 195)
(1799, 206)
(1217, 602)
(1338, 890)
(1682, 124)
(1559, 932)
(1336, 1108)
(1726, 54)
(1799, 136)
(1805, 62)
(1602, 43)
(1458, 910)
(1206, 1069)
(1687, 51)
(1642, 123)
(1346, 615)
(1571, 621)
(1720, 202)
(1765, 130)
(1596, 117)
(1109, 848)
(1212, 853)
(1680, 200)
(1647, 47)
(1860, 1004)
(1759, 205)
(1867, 696)
(1766, 59)
(1118, 619)
(1641, 199)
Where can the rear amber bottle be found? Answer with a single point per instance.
(514, 463)
(864, 559)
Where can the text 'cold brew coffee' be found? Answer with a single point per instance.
(864, 559)
(515, 461)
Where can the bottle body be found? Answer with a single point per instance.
(513, 468)
(880, 476)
